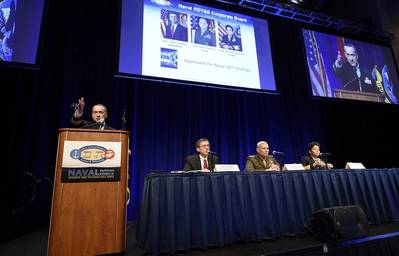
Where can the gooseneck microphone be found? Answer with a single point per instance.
(211, 156)
(358, 73)
(325, 154)
(274, 152)
(123, 126)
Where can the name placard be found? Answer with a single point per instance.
(226, 168)
(350, 165)
(293, 167)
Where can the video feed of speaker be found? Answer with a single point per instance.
(20, 23)
(191, 42)
(345, 68)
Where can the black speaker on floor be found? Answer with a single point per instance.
(339, 223)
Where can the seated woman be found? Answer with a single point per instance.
(313, 161)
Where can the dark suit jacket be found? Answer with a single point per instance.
(207, 38)
(193, 162)
(350, 80)
(84, 124)
(234, 41)
(179, 34)
(308, 160)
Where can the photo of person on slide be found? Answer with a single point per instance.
(229, 37)
(7, 29)
(172, 27)
(203, 31)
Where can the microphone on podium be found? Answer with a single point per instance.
(325, 154)
(123, 125)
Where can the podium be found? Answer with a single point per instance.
(88, 214)
(356, 95)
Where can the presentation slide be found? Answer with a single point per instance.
(20, 23)
(191, 42)
(345, 68)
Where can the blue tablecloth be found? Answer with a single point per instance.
(197, 210)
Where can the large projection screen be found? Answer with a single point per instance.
(345, 68)
(190, 42)
(20, 24)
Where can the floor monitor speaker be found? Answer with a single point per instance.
(339, 223)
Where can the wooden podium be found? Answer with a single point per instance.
(356, 95)
(89, 218)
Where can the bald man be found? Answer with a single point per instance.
(262, 161)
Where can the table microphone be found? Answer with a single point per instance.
(274, 152)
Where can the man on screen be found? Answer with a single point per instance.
(231, 41)
(203, 35)
(353, 76)
(204, 160)
(174, 30)
(5, 50)
(262, 161)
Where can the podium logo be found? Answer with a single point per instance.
(92, 154)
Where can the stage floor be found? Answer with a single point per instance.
(35, 243)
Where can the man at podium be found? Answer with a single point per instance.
(262, 161)
(98, 113)
(353, 76)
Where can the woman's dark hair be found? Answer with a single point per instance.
(228, 26)
(312, 144)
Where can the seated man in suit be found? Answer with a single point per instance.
(262, 161)
(204, 160)
(98, 114)
(313, 161)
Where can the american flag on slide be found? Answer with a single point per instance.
(194, 26)
(221, 31)
(317, 70)
(194, 22)
(164, 21)
(340, 47)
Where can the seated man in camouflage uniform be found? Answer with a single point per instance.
(262, 161)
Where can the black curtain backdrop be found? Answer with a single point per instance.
(78, 55)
